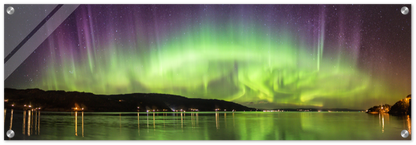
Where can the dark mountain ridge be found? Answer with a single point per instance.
(70, 101)
(401, 107)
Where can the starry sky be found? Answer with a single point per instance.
(264, 56)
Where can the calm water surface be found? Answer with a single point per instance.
(204, 126)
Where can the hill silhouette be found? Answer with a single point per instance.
(67, 101)
(401, 107)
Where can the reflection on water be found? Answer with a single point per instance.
(408, 124)
(233, 120)
(11, 119)
(181, 121)
(38, 122)
(5, 111)
(24, 121)
(76, 123)
(82, 123)
(216, 120)
(154, 125)
(138, 123)
(202, 126)
(382, 118)
(28, 123)
(120, 122)
(225, 119)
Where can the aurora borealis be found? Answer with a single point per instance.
(265, 56)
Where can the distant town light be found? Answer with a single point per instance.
(6, 100)
(24, 105)
(30, 106)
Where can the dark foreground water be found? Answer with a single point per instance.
(204, 126)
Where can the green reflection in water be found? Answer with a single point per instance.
(207, 125)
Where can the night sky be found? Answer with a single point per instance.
(265, 56)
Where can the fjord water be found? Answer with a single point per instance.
(34, 125)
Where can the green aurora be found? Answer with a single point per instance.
(237, 60)
(221, 64)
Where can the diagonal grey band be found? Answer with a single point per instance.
(19, 25)
(37, 38)
(32, 32)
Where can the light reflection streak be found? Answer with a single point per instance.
(181, 121)
(5, 112)
(225, 120)
(174, 118)
(82, 124)
(382, 120)
(76, 123)
(409, 124)
(39, 123)
(11, 120)
(184, 114)
(192, 120)
(147, 118)
(216, 120)
(164, 120)
(24, 121)
(28, 122)
(120, 122)
(233, 120)
(379, 119)
(36, 122)
(31, 124)
(138, 123)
